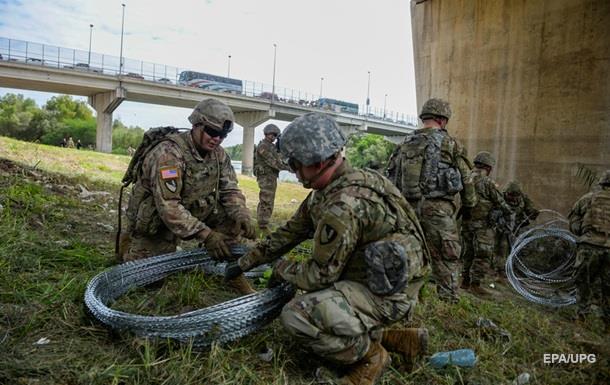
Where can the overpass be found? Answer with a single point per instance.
(106, 88)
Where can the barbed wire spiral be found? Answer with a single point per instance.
(223, 322)
(540, 266)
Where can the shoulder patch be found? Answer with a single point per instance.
(327, 235)
(169, 173)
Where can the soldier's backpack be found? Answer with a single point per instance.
(419, 169)
(600, 207)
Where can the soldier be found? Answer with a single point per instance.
(70, 143)
(523, 211)
(590, 221)
(355, 283)
(477, 228)
(430, 168)
(267, 166)
(187, 189)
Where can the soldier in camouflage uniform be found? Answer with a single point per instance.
(477, 229)
(430, 168)
(590, 221)
(368, 262)
(523, 210)
(187, 189)
(267, 167)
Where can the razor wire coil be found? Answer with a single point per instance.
(555, 287)
(223, 322)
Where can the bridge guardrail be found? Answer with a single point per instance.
(72, 59)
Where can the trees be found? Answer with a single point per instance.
(368, 150)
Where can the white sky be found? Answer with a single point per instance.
(339, 40)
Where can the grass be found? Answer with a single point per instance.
(53, 241)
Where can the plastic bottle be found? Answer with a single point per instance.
(461, 357)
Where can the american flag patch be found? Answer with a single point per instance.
(169, 173)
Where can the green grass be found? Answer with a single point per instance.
(52, 242)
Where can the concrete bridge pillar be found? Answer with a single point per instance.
(249, 120)
(104, 104)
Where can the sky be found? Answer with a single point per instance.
(338, 40)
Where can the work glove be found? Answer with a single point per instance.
(217, 245)
(245, 225)
(232, 271)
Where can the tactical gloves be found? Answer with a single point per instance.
(217, 245)
(245, 225)
(276, 278)
(232, 271)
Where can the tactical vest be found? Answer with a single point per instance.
(597, 218)
(200, 183)
(399, 221)
(480, 212)
(426, 167)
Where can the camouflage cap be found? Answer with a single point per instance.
(605, 178)
(215, 113)
(513, 187)
(436, 107)
(312, 138)
(271, 129)
(485, 158)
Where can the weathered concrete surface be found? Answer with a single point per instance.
(528, 80)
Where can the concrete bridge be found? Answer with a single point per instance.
(107, 87)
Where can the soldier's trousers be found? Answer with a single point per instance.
(437, 218)
(339, 323)
(164, 241)
(479, 244)
(593, 279)
(266, 198)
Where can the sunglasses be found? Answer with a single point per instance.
(214, 133)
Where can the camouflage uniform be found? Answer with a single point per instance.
(180, 192)
(437, 215)
(477, 230)
(339, 315)
(267, 167)
(523, 210)
(590, 221)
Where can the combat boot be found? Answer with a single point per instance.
(242, 285)
(370, 368)
(410, 343)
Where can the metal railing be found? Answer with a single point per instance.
(72, 59)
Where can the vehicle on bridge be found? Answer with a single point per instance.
(210, 82)
(338, 106)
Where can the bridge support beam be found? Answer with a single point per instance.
(249, 120)
(104, 105)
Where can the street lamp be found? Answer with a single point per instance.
(90, 33)
(321, 81)
(273, 84)
(368, 89)
(122, 29)
(229, 68)
(385, 98)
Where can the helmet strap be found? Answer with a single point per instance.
(314, 179)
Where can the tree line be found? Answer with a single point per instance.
(61, 117)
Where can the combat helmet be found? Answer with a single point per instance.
(271, 129)
(311, 138)
(513, 188)
(605, 178)
(214, 113)
(435, 107)
(485, 158)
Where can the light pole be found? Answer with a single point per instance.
(229, 68)
(122, 29)
(321, 82)
(368, 90)
(385, 98)
(90, 34)
(273, 84)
